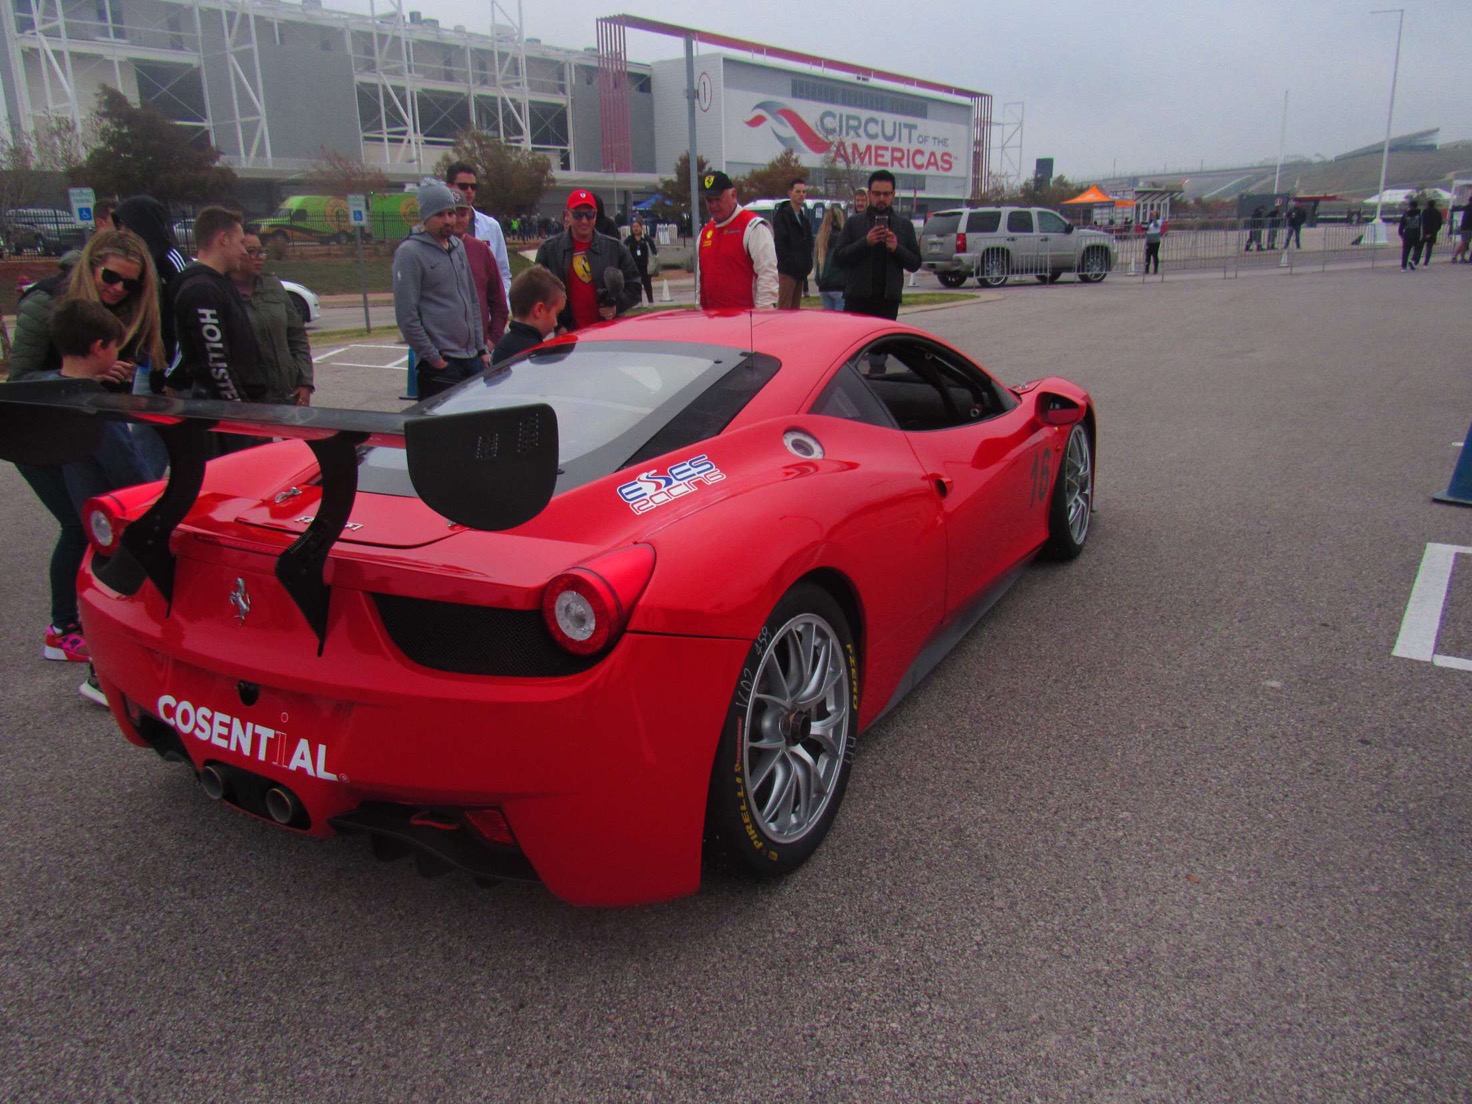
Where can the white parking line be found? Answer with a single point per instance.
(1422, 621)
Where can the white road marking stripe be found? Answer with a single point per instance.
(1455, 662)
(397, 366)
(1422, 621)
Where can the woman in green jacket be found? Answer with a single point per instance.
(286, 355)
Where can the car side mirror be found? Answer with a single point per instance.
(1068, 228)
(1056, 410)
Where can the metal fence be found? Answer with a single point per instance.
(1230, 246)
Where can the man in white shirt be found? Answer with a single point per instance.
(461, 178)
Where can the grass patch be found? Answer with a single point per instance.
(333, 270)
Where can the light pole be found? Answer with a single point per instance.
(1375, 233)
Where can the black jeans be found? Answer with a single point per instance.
(71, 545)
(876, 306)
(434, 380)
(1152, 253)
(1410, 249)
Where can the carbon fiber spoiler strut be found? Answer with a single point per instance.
(484, 469)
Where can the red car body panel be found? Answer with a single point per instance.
(601, 774)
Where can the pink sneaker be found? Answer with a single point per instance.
(66, 643)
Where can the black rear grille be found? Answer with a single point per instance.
(476, 640)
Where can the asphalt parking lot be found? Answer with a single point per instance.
(1172, 824)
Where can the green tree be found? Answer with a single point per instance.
(771, 181)
(512, 179)
(139, 149)
(677, 188)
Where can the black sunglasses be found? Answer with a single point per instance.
(112, 279)
(464, 187)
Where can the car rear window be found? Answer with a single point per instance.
(983, 222)
(617, 403)
(943, 223)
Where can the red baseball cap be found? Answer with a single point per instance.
(581, 198)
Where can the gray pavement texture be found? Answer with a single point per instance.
(1171, 825)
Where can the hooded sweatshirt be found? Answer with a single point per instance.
(149, 219)
(435, 300)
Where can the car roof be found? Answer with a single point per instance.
(806, 343)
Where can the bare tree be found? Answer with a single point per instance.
(336, 174)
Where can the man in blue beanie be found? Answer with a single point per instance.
(434, 297)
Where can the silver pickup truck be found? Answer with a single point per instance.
(995, 243)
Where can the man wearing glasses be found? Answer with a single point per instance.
(584, 260)
(877, 248)
(461, 179)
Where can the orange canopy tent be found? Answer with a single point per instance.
(1095, 194)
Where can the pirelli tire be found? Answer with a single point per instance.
(1071, 509)
(787, 746)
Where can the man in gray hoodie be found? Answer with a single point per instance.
(434, 297)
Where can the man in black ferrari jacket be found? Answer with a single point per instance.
(217, 357)
(877, 248)
(581, 258)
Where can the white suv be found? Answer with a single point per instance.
(995, 243)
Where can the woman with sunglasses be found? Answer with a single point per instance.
(115, 271)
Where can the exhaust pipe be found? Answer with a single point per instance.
(212, 782)
(282, 804)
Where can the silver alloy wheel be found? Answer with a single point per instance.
(1095, 267)
(993, 270)
(798, 726)
(1078, 484)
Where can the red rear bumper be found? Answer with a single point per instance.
(602, 776)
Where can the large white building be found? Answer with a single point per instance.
(273, 85)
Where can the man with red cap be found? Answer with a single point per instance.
(598, 271)
(738, 256)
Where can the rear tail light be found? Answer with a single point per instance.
(587, 607)
(960, 243)
(104, 521)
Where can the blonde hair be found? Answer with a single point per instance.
(832, 222)
(139, 312)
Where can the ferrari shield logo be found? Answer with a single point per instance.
(582, 268)
(709, 181)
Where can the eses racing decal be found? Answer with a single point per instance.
(655, 488)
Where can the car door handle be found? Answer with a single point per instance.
(941, 483)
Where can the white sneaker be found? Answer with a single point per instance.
(91, 689)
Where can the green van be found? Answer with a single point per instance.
(321, 219)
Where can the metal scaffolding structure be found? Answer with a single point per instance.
(200, 61)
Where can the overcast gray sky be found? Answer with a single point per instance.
(1145, 85)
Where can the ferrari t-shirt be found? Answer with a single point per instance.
(582, 296)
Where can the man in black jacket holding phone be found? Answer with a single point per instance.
(877, 248)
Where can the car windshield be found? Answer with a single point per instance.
(617, 403)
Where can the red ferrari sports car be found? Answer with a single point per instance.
(583, 619)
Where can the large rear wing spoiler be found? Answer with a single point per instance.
(484, 469)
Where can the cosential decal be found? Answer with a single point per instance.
(864, 140)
